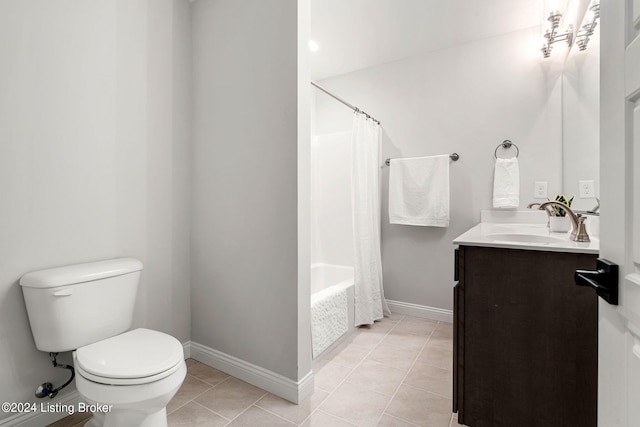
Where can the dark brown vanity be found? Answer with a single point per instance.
(525, 339)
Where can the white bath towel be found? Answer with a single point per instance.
(419, 191)
(506, 184)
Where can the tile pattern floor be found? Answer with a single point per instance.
(398, 372)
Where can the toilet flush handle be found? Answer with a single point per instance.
(63, 292)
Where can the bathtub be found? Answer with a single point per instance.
(331, 321)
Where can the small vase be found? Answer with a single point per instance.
(559, 224)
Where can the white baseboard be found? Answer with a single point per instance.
(422, 311)
(186, 348)
(54, 409)
(272, 382)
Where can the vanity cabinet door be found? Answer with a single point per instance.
(526, 339)
(458, 332)
(456, 322)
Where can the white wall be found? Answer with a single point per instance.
(93, 165)
(168, 165)
(581, 121)
(465, 99)
(331, 227)
(246, 300)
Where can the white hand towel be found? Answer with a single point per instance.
(419, 191)
(506, 184)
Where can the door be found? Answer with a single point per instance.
(619, 327)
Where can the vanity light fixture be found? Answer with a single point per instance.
(586, 31)
(551, 35)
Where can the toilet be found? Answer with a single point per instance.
(126, 376)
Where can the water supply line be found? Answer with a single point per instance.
(46, 389)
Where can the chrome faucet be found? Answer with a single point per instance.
(578, 229)
(531, 205)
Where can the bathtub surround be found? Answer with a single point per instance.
(331, 227)
(346, 275)
(331, 234)
(365, 195)
(333, 247)
(466, 98)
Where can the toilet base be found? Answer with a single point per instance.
(142, 405)
(128, 418)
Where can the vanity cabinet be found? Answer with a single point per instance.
(525, 339)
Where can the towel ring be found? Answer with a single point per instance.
(506, 144)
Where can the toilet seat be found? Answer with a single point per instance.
(136, 357)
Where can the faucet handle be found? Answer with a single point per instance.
(580, 234)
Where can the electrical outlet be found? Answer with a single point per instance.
(540, 190)
(587, 189)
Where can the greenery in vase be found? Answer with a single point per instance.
(557, 211)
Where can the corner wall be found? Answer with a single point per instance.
(245, 263)
(465, 99)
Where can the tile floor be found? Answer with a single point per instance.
(394, 373)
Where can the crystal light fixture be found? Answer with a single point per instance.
(586, 30)
(552, 36)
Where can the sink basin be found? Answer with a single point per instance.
(525, 238)
(525, 230)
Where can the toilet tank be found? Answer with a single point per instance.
(76, 305)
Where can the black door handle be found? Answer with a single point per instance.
(604, 280)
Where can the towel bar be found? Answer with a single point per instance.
(453, 156)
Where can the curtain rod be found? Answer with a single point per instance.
(337, 98)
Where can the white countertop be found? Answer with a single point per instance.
(535, 237)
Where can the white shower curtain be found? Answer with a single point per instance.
(365, 195)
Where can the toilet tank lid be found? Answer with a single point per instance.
(80, 273)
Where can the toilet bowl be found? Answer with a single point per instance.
(128, 379)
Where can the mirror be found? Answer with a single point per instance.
(581, 121)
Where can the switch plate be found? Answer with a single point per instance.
(587, 189)
(540, 190)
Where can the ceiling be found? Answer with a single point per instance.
(356, 34)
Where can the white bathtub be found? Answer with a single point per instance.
(325, 275)
(329, 284)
